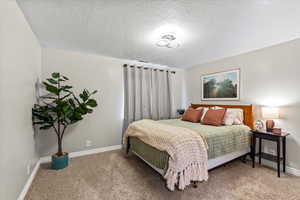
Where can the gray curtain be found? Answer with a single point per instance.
(149, 94)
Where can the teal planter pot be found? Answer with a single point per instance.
(60, 162)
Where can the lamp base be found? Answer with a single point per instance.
(270, 125)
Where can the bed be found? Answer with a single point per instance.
(225, 143)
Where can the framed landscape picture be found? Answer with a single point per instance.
(221, 85)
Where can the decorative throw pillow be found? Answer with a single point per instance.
(233, 116)
(229, 118)
(192, 115)
(214, 117)
(239, 117)
(204, 110)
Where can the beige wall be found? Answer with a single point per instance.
(103, 127)
(269, 77)
(20, 62)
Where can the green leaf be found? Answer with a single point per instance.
(66, 108)
(51, 80)
(65, 96)
(66, 88)
(84, 108)
(68, 112)
(85, 92)
(66, 78)
(71, 101)
(81, 110)
(51, 88)
(84, 96)
(94, 92)
(40, 122)
(77, 116)
(40, 116)
(47, 97)
(92, 103)
(45, 127)
(60, 102)
(55, 75)
(89, 110)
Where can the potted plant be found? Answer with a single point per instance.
(58, 109)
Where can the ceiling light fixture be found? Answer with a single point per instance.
(168, 41)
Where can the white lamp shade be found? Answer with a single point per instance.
(270, 113)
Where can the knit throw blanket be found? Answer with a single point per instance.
(187, 150)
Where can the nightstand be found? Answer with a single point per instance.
(271, 137)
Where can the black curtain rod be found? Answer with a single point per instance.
(140, 67)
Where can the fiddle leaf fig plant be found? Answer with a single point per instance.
(60, 107)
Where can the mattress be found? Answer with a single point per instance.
(221, 141)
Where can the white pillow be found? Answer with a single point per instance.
(233, 116)
(229, 118)
(205, 109)
(239, 116)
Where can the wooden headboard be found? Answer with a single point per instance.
(247, 109)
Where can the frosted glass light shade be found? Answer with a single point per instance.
(162, 43)
(270, 113)
(173, 44)
(168, 40)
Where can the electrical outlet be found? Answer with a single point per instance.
(88, 143)
(28, 169)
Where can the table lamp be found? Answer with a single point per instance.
(270, 113)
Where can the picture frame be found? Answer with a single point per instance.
(221, 86)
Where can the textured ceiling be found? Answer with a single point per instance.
(207, 29)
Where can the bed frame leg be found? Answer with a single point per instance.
(244, 158)
(128, 146)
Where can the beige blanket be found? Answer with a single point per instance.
(187, 150)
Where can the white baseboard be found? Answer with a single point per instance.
(29, 181)
(47, 159)
(293, 171)
(289, 170)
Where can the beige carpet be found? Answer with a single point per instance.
(111, 176)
